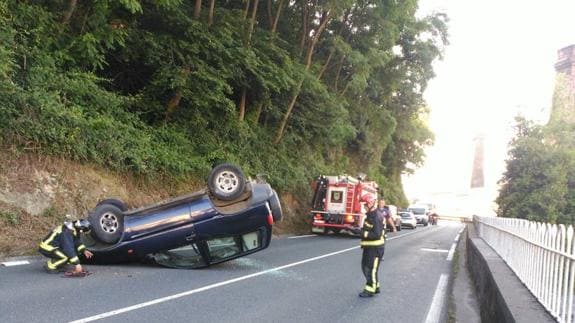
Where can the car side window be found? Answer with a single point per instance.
(226, 247)
(187, 256)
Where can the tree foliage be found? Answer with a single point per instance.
(539, 183)
(170, 87)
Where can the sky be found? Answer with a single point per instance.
(499, 63)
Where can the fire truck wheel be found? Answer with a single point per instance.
(336, 231)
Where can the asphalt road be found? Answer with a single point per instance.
(297, 279)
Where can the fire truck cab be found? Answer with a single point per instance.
(336, 203)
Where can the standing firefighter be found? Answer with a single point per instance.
(62, 246)
(372, 243)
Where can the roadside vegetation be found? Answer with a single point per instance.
(165, 89)
(539, 183)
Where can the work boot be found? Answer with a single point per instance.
(377, 290)
(365, 293)
(52, 271)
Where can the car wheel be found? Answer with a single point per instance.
(226, 182)
(107, 222)
(118, 203)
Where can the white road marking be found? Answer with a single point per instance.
(434, 250)
(451, 252)
(227, 282)
(305, 236)
(15, 263)
(434, 313)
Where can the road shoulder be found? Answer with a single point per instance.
(463, 302)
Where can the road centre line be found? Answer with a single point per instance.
(304, 236)
(434, 313)
(227, 282)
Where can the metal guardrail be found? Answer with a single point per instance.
(542, 255)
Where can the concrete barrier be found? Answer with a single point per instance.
(501, 295)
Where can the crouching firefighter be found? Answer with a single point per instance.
(372, 244)
(63, 245)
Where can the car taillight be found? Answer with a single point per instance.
(270, 214)
(349, 218)
(318, 216)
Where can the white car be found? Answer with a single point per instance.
(408, 220)
(421, 213)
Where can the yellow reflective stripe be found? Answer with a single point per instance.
(60, 254)
(58, 263)
(74, 260)
(81, 247)
(374, 273)
(365, 233)
(46, 243)
(371, 243)
(367, 224)
(369, 289)
(46, 247)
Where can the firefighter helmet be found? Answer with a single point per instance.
(368, 199)
(82, 225)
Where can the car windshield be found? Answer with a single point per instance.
(405, 215)
(418, 210)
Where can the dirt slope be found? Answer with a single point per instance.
(38, 192)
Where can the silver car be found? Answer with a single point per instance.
(408, 220)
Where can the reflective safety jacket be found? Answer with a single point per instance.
(65, 240)
(373, 230)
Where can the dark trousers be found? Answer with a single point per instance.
(58, 259)
(370, 261)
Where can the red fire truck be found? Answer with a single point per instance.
(336, 205)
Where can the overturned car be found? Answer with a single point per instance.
(231, 218)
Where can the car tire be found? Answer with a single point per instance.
(107, 222)
(226, 182)
(116, 202)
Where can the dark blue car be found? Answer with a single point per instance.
(230, 219)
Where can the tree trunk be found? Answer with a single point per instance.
(304, 32)
(270, 15)
(246, 9)
(340, 66)
(197, 9)
(275, 25)
(324, 20)
(242, 106)
(69, 11)
(332, 51)
(174, 101)
(259, 109)
(325, 65)
(252, 22)
(211, 13)
(280, 131)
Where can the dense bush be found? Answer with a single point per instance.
(162, 89)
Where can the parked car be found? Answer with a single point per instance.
(393, 217)
(408, 220)
(421, 213)
(231, 218)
